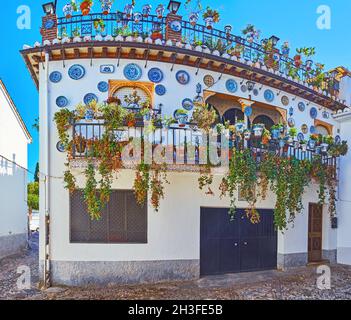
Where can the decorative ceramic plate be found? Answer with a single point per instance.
(176, 116)
(60, 147)
(269, 95)
(89, 97)
(291, 122)
(132, 72)
(301, 106)
(255, 92)
(76, 72)
(209, 80)
(231, 85)
(55, 76)
(160, 90)
(276, 57)
(199, 88)
(62, 102)
(313, 129)
(183, 77)
(291, 111)
(285, 100)
(155, 75)
(102, 86)
(313, 113)
(49, 24)
(175, 26)
(304, 128)
(337, 139)
(300, 137)
(243, 88)
(188, 104)
(248, 111)
(326, 115)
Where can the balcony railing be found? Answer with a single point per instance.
(116, 24)
(186, 144)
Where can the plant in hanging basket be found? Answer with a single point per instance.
(85, 7)
(211, 16)
(204, 116)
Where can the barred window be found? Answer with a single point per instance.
(122, 220)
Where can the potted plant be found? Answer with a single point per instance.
(69, 8)
(285, 49)
(258, 130)
(182, 117)
(137, 17)
(337, 150)
(160, 11)
(128, 10)
(106, 6)
(251, 33)
(85, 7)
(240, 126)
(80, 143)
(220, 127)
(210, 16)
(313, 141)
(326, 142)
(276, 131)
(193, 18)
(99, 25)
(266, 137)
(247, 134)
(146, 10)
(130, 119)
(303, 145)
(293, 135)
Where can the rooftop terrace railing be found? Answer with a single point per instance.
(115, 24)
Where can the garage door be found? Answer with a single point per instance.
(236, 246)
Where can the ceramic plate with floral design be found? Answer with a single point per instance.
(291, 122)
(76, 72)
(301, 106)
(231, 85)
(300, 136)
(55, 76)
(155, 75)
(183, 77)
(102, 86)
(60, 147)
(89, 97)
(62, 102)
(304, 128)
(269, 95)
(132, 72)
(285, 100)
(313, 113)
(160, 90)
(188, 104)
(208, 80)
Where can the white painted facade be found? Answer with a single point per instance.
(173, 232)
(14, 139)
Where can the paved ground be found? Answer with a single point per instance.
(295, 284)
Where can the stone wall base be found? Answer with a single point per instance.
(86, 273)
(12, 244)
(292, 260)
(330, 255)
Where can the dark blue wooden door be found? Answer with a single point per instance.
(236, 246)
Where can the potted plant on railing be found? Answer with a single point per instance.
(211, 16)
(285, 49)
(266, 137)
(204, 116)
(247, 134)
(258, 130)
(326, 142)
(80, 143)
(240, 126)
(276, 131)
(312, 143)
(193, 18)
(146, 10)
(251, 33)
(337, 150)
(99, 25)
(130, 119)
(303, 145)
(69, 9)
(106, 6)
(182, 117)
(128, 10)
(293, 135)
(85, 7)
(160, 11)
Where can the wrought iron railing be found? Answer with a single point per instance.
(117, 24)
(186, 144)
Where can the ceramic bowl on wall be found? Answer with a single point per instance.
(132, 72)
(301, 106)
(269, 95)
(183, 77)
(76, 72)
(231, 85)
(55, 76)
(102, 86)
(160, 90)
(62, 102)
(155, 75)
(90, 97)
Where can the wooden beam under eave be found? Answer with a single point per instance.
(210, 64)
(132, 53)
(160, 55)
(186, 60)
(76, 53)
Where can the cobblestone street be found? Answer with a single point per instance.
(294, 284)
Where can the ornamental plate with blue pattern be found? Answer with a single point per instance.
(313, 129)
(102, 86)
(175, 26)
(313, 113)
(160, 90)
(188, 104)
(76, 72)
(326, 115)
(248, 111)
(269, 95)
(90, 97)
(49, 24)
(155, 75)
(62, 102)
(60, 147)
(183, 77)
(301, 106)
(300, 136)
(55, 76)
(132, 72)
(231, 85)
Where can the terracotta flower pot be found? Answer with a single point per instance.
(85, 8)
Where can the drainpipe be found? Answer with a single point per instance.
(46, 131)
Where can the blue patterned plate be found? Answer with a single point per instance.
(160, 90)
(300, 136)
(188, 104)
(313, 129)
(177, 115)
(60, 147)
(155, 75)
(62, 102)
(55, 77)
(313, 113)
(76, 72)
(269, 95)
(248, 111)
(132, 72)
(291, 122)
(175, 26)
(231, 85)
(89, 97)
(183, 77)
(102, 86)
(291, 111)
(301, 106)
(326, 115)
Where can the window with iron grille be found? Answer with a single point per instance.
(122, 220)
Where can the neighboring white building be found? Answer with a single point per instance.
(137, 245)
(14, 139)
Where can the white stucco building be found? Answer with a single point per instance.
(133, 244)
(14, 139)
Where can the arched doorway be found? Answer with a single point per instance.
(233, 116)
(267, 121)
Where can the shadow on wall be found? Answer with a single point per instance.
(8, 168)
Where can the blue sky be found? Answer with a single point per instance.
(293, 21)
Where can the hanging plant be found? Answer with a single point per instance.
(90, 193)
(211, 17)
(64, 119)
(141, 183)
(85, 7)
(204, 116)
